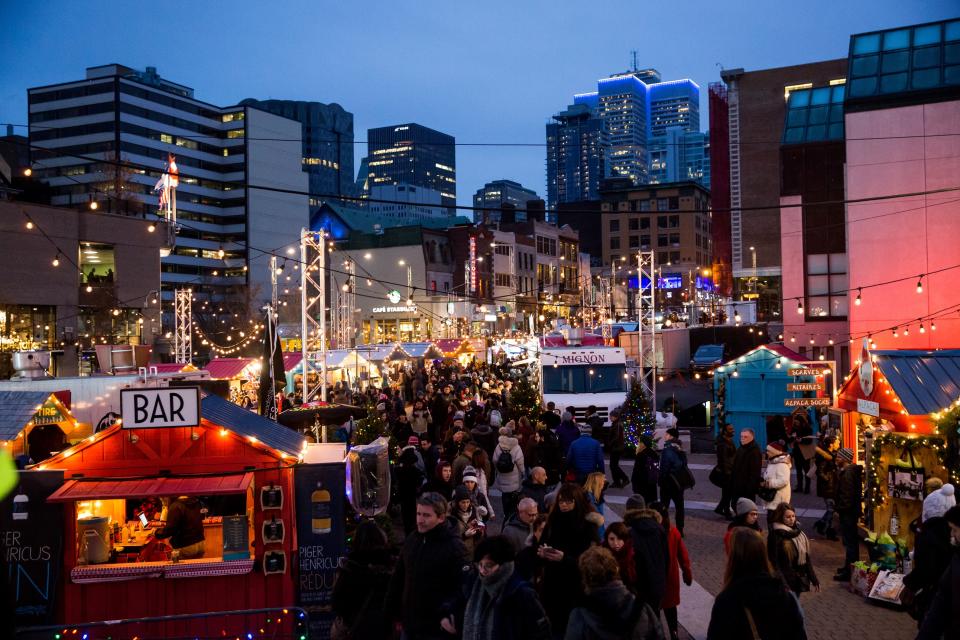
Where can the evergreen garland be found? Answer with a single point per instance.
(636, 414)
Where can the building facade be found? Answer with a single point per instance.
(406, 203)
(106, 139)
(575, 155)
(489, 198)
(720, 186)
(756, 104)
(327, 135)
(415, 155)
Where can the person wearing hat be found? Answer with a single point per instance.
(646, 468)
(938, 500)
(471, 480)
(465, 519)
(943, 618)
(848, 506)
(776, 476)
(672, 462)
(747, 514)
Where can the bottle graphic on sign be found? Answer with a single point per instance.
(21, 506)
(321, 521)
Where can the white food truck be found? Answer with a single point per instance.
(582, 376)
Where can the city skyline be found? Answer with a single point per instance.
(400, 80)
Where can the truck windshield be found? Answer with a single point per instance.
(605, 378)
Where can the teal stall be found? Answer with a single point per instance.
(761, 390)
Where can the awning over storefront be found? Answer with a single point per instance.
(144, 487)
(228, 368)
(17, 408)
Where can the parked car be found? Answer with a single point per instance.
(707, 358)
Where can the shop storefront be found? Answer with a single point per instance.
(35, 424)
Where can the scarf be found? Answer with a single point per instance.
(799, 539)
(478, 616)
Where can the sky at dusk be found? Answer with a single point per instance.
(484, 72)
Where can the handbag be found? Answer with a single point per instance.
(716, 477)
(767, 494)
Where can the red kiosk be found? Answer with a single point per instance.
(240, 466)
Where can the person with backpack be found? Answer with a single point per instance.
(675, 475)
(646, 469)
(508, 462)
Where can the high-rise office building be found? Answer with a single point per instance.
(106, 138)
(327, 132)
(575, 155)
(651, 128)
(498, 193)
(415, 155)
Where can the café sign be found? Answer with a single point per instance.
(394, 309)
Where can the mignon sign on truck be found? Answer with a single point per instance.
(578, 377)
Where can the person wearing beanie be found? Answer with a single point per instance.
(932, 552)
(776, 476)
(471, 481)
(650, 551)
(673, 467)
(465, 519)
(938, 502)
(509, 466)
(849, 498)
(943, 618)
(747, 515)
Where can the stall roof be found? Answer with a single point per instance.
(172, 367)
(17, 409)
(227, 368)
(448, 345)
(377, 352)
(925, 381)
(419, 349)
(291, 360)
(80, 489)
(246, 423)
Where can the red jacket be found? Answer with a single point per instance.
(678, 560)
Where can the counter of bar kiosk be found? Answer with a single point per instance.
(239, 464)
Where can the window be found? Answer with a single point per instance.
(675, 239)
(662, 204)
(634, 242)
(97, 264)
(674, 256)
(661, 222)
(645, 242)
(663, 240)
(674, 222)
(634, 224)
(603, 378)
(644, 205)
(645, 223)
(827, 283)
(614, 226)
(674, 203)
(615, 243)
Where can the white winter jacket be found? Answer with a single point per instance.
(938, 502)
(508, 482)
(776, 475)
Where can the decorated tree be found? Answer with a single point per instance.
(636, 414)
(524, 400)
(368, 429)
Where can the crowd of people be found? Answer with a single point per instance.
(544, 561)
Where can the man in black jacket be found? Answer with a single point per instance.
(650, 551)
(848, 506)
(429, 573)
(943, 617)
(184, 527)
(747, 463)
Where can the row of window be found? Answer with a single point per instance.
(634, 224)
(546, 246)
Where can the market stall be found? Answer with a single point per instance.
(449, 346)
(37, 423)
(762, 389)
(346, 366)
(121, 485)
(889, 410)
(243, 374)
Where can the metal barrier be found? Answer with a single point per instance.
(290, 623)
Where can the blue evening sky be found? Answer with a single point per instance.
(491, 71)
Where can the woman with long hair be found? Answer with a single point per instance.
(677, 560)
(748, 516)
(594, 486)
(361, 585)
(753, 603)
(788, 548)
(570, 530)
(617, 538)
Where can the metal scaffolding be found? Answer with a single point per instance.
(344, 293)
(647, 319)
(313, 314)
(182, 326)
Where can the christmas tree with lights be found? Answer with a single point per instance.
(368, 429)
(524, 400)
(636, 414)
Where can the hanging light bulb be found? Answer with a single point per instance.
(793, 338)
(29, 224)
(920, 285)
(799, 306)
(778, 365)
(811, 339)
(933, 326)
(89, 288)
(858, 300)
(830, 341)
(151, 227)
(56, 260)
(736, 374)
(94, 205)
(906, 331)
(736, 315)
(895, 334)
(922, 330)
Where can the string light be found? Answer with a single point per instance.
(56, 260)
(895, 334)
(858, 300)
(94, 205)
(922, 330)
(799, 307)
(906, 331)
(151, 227)
(933, 326)
(920, 284)
(29, 224)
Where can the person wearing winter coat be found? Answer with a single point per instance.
(428, 575)
(943, 616)
(672, 461)
(617, 445)
(471, 481)
(519, 526)
(497, 602)
(567, 431)
(609, 611)
(753, 603)
(485, 436)
(646, 470)
(747, 464)
(747, 516)
(544, 451)
(465, 519)
(849, 508)
(535, 487)
(803, 444)
(421, 418)
(618, 540)
(938, 502)
(430, 454)
(931, 556)
(650, 551)
(570, 530)
(481, 463)
(788, 549)
(584, 457)
(508, 482)
(776, 475)
(678, 560)
(409, 481)
(361, 586)
(594, 486)
(726, 451)
(441, 482)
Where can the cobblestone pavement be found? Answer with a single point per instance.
(830, 614)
